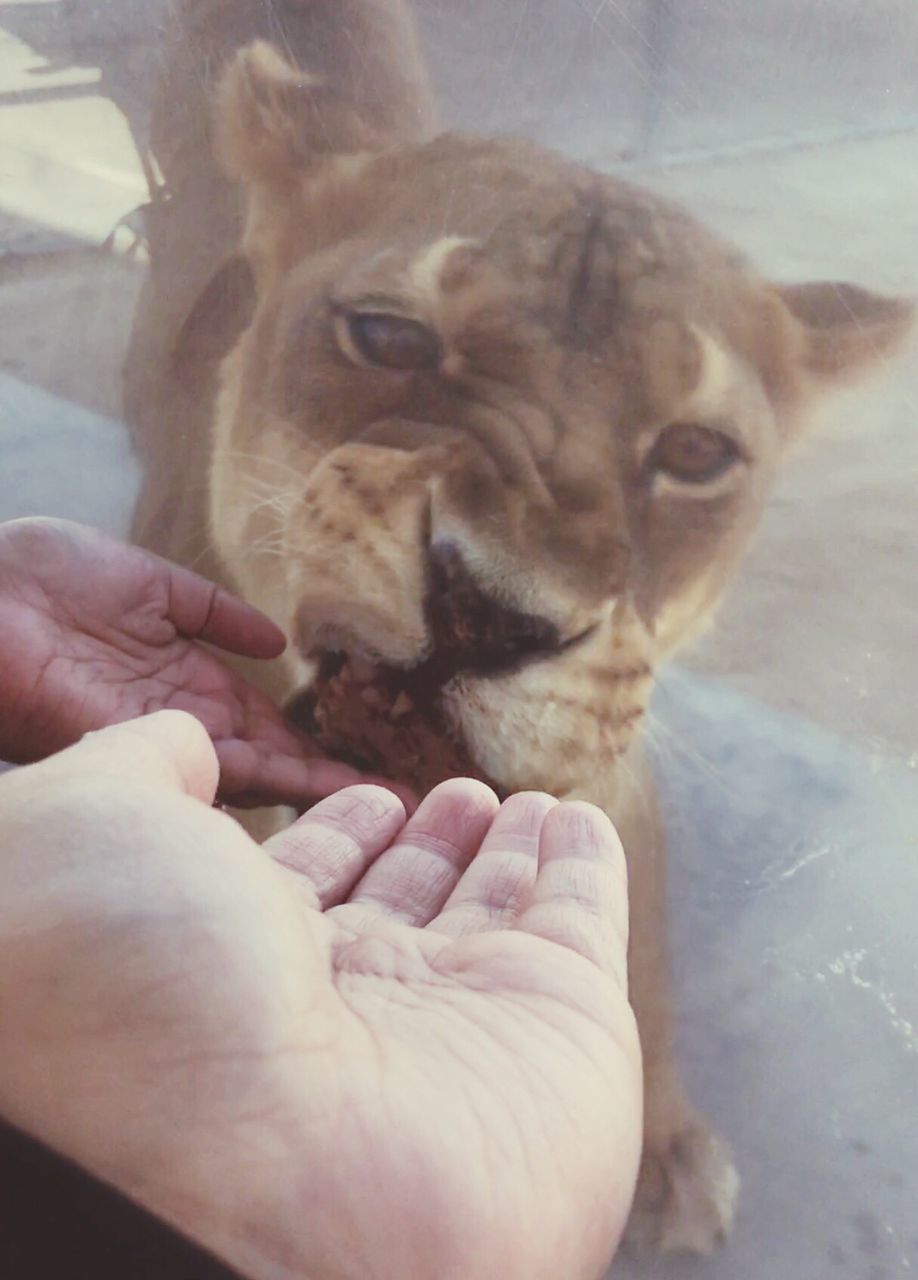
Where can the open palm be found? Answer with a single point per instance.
(94, 633)
(481, 1006)
(386, 1050)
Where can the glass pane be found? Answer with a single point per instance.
(783, 738)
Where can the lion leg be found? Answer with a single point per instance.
(688, 1186)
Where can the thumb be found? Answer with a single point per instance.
(170, 749)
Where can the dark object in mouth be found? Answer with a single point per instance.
(391, 721)
(383, 720)
(471, 630)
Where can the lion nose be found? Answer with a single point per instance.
(471, 628)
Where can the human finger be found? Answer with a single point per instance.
(333, 844)
(414, 877)
(580, 896)
(252, 775)
(199, 610)
(498, 882)
(262, 761)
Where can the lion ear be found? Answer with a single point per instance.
(843, 330)
(273, 121)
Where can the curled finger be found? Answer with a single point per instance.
(498, 883)
(333, 844)
(414, 877)
(580, 896)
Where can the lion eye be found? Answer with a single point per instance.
(393, 342)
(693, 453)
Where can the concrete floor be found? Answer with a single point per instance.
(787, 738)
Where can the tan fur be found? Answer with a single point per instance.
(578, 317)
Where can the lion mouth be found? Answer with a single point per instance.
(385, 720)
(394, 721)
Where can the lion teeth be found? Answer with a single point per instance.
(402, 706)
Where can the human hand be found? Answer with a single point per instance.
(355, 1052)
(94, 632)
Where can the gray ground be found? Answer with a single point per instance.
(787, 738)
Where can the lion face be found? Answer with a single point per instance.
(502, 416)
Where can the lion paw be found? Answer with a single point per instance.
(686, 1195)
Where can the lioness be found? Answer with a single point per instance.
(487, 414)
